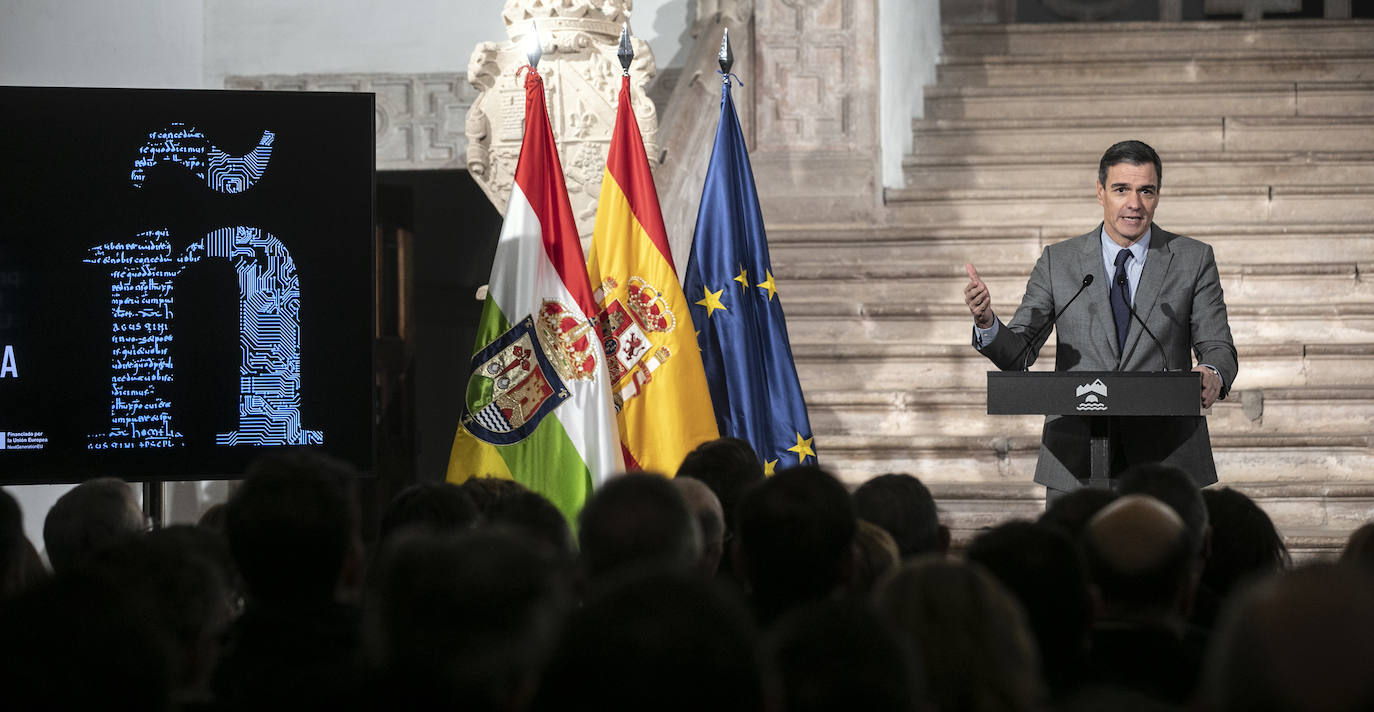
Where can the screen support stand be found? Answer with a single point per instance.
(1100, 452)
(152, 502)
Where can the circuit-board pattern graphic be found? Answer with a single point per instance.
(143, 274)
(269, 337)
(188, 147)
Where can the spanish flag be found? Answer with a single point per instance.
(538, 401)
(659, 386)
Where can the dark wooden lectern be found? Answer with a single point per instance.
(1102, 395)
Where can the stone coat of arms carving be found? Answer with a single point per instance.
(580, 69)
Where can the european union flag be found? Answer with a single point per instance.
(735, 307)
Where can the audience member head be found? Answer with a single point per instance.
(20, 564)
(1245, 543)
(1177, 489)
(831, 655)
(795, 538)
(728, 466)
(534, 515)
(662, 641)
(637, 520)
(463, 620)
(293, 529)
(1138, 555)
(902, 505)
(77, 642)
(1297, 642)
(89, 517)
(705, 506)
(180, 573)
(1044, 570)
(212, 520)
(440, 506)
(875, 555)
(1072, 510)
(970, 633)
(1359, 548)
(486, 491)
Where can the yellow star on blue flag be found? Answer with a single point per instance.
(755, 391)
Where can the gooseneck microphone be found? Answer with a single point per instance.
(1024, 356)
(1163, 355)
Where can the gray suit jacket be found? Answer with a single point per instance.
(1179, 297)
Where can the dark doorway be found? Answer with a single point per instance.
(437, 238)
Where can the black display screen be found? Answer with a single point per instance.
(185, 279)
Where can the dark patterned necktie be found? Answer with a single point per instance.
(1120, 297)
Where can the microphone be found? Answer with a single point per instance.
(1024, 355)
(1163, 355)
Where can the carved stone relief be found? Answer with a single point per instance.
(582, 78)
(815, 62)
(419, 116)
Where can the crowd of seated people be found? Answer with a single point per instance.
(717, 589)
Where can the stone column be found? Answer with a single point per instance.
(816, 144)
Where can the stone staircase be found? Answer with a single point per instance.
(1267, 135)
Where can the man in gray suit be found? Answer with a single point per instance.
(1172, 283)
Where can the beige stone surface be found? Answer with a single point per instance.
(581, 75)
(1164, 38)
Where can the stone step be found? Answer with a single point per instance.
(1168, 135)
(1211, 99)
(930, 283)
(1302, 65)
(1339, 458)
(1182, 204)
(846, 364)
(1167, 38)
(1314, 518)
(1078, 171)
(847, 246)
(963, 411)
(901, 322)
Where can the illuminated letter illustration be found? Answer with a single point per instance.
(141, 280)
(269, 337)
(188, 147)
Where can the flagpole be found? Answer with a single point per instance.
(626, 53)
(726, 57)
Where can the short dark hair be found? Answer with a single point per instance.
(534, 515)
(441, 506)
(829, 655)
(290, 525)
(673, 640)
(728, 466)
(1245, 544)
(1045, 570)
(796, 530)
(637, 520)
(93, 515)
(1136, 153)
(461, 620)
(903, 506)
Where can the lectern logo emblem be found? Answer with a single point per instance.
(1092, 395)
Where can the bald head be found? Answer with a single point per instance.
(705, 508)
(1138, 553)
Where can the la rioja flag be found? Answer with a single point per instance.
(538, 403)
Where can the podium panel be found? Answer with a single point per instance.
(1094, 393)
